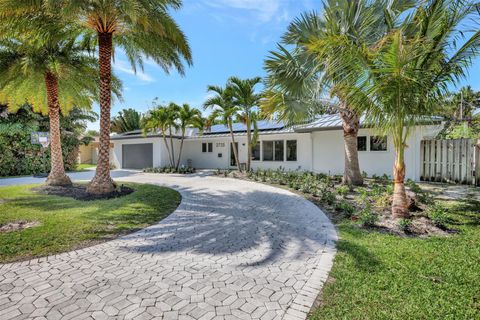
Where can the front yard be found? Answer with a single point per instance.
(385, 271)
(35, 225)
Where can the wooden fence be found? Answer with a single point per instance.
(451, 161)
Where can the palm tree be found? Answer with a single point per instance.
(402, 79)
(187, 117)
(54, 57)
(173, 110)
(143, 29)
(224, 110)
(126, 120)
(155, 120)
(300, 84)
(246, 100)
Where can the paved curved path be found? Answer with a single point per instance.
(232, 250)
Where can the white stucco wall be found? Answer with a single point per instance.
(328, 153)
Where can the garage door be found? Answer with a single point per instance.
(137, 156)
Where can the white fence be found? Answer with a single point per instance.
(451, 160)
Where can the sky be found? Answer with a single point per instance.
(227, 38)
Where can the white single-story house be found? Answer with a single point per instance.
(317, 146)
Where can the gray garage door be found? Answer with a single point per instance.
(137, 156)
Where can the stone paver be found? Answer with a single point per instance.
(232, 250)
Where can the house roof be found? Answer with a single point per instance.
(262, 125)
(321, 123)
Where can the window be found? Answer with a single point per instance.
(256, 151)
(273, 150)
(207, 147)
(267, 150)
(291, 150)
(362, 143)
(378, 143)
(279, 150)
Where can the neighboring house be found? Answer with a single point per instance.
(317, 146)
(89, 153)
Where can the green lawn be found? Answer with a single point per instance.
(66, 223)
(381, 276)
(84, 166)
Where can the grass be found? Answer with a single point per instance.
(383, 276)
(84, 166)
(66, 224)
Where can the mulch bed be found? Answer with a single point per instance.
(79, 192)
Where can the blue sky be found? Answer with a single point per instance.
(227, 37)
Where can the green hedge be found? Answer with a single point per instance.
(19, 157)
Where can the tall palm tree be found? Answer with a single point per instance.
(246, 100)
(224, 110)
(52, 57)
(187, 117)
(143, 29)
(159, 119)
(402, 79)
(173, 110)
(126, 120)
(301, 85)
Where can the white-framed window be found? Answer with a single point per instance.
(362, 143)
(291, 150)
(256, 152)
(207, 147)
(378, 143)
(273, 150)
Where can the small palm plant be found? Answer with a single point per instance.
(187, 117)
(246, 100)
(55, 58)
(224, 110)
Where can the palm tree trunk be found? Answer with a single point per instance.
(57, 176)
(180, 151)
(102, 182)
(168, 149)
(399, 201)
(171, 147)
(249, 144)
(235, 151)
(351, 124)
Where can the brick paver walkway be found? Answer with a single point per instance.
(232, 250)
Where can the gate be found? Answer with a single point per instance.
(451, 161)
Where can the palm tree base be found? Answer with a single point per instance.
(58, 180)
(101, 187)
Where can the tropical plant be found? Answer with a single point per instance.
(126, 120)
(246, 101)
(401, 80)
(159, 119)
(301, 85)
(55, 58)
(20, 157)
(187, 117)
(224, 111)
(143, 29)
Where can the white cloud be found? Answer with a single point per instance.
(264, 10)
(124, 67)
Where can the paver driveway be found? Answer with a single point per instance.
(232, 250)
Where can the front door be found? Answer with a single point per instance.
(232, 154)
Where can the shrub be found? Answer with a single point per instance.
(343, 190)
(180, 170)
(367, 217)
(438, 215)
(345, 207)
(328, 197)
(405, 225)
